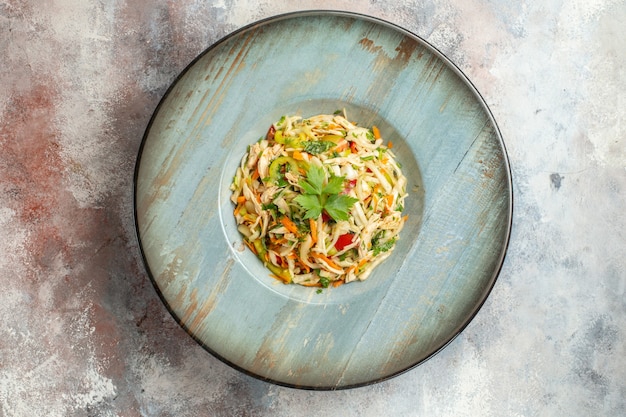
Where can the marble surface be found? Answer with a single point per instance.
(83, 331)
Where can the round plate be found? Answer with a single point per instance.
(459, 206)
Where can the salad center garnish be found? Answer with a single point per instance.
(321, 193)
(319, 200)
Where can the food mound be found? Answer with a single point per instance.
(319, 200)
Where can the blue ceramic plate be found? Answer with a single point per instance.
(459, 204)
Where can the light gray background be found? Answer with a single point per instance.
(83, 332)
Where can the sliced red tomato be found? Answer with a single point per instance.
(343, 241)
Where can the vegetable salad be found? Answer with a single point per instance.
(320, 200)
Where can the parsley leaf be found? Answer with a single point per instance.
(335, 185)
(314, 180)
(337, 206)
(317, 197)
(311, 203)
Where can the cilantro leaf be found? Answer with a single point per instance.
(337, 206)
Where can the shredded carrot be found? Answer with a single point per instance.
(291, 226)
(313, 224)
(236, 211)
(251, 246)
(338, 283)
(389, 200)
(241, 199)
(311, 284)
(304, 266)
(255, 174)
(361, 263)
(405, 217)
(297, 155)
(390, 144)
(376, 132)
(278, 240)
(326, 259)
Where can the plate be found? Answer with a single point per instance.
(459, 206)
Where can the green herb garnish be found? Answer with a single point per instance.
(324, 282)
(269, 206)
(384, 246)
(316, 147)
(318, 196)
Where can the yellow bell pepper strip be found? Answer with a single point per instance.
(332, 138)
